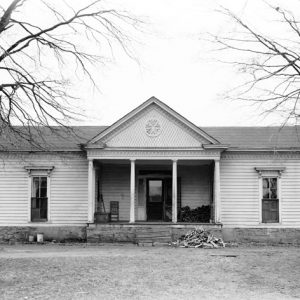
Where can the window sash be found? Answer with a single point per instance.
(270, 201)
(39, 199)
(270, 188)
(270, 210)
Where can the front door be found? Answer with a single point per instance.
(159, 198)
(155, 199)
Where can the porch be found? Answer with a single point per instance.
(155, 191)
(153, 162)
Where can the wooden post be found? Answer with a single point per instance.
(174, 192)
(91, 191)
(132, 191)
(217, 190)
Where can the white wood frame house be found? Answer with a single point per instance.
(153, 162)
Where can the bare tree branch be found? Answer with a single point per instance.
(273, 64)
(35, 58)
(5, 19)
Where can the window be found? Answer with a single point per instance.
(270, 202)
(269, 199)
(39, 199)
(39, 193)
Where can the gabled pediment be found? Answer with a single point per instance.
(152, 125)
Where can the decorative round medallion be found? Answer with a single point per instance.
(153, 128)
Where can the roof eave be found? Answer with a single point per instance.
(93, 146)
(263, 149)
(216, 146)
(40, 150)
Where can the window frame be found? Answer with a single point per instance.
(39, 171)
(272, 199)
(270, 172)
(38, 199)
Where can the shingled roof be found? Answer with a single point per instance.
(236, 137)
(257, 137)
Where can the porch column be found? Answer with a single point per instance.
(217, 204)
(91, 191)
(174, 192)
(132, 191)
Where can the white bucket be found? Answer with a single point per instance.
(40, 238)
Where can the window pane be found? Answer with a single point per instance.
(38, 203)
(273, 188)
(33, 203)
(155, 190)
(35, 187)
(43, 189)
(274, 193)
(43, 213)
(273, 183)
(266, 194)
(43, 203)
(265, 183)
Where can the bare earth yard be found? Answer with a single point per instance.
(131, 272)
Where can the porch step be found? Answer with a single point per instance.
(153, 244)
(148, 236)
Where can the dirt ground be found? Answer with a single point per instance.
(131, 272)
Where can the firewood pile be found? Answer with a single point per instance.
(199, 238)
(200, 214)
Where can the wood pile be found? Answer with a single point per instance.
(199, 238)
(200, 214)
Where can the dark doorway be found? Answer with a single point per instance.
(159, 199)
(155, 199)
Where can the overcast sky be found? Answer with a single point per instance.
(176, 65)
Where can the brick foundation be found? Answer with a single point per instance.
(263, 235)
(109, 233)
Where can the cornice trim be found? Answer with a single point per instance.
(262, 170)
(154, 154)
(46, 169)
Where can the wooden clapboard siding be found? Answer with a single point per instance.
(195, 185)
(13, 191)
(115, 186)
(240, 188)
(68, 189)
(290, 190)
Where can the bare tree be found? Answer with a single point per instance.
(273, 63)
(37, 58)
